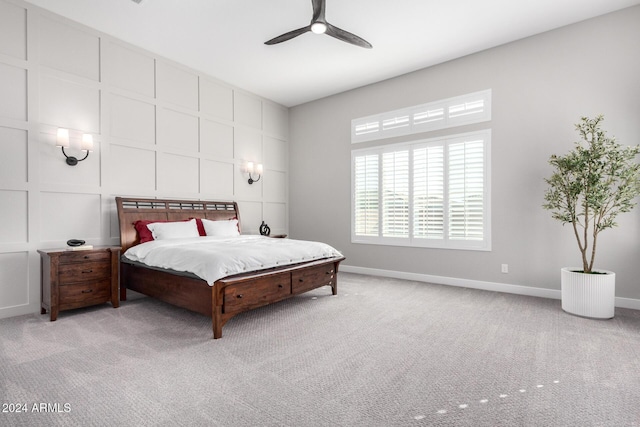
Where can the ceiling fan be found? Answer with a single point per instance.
(319, 25)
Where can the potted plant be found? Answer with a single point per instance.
(590, 186)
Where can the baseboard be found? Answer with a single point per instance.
(476, 284)
(628, 303)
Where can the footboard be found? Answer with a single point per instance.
(231, 295)
(236, 294)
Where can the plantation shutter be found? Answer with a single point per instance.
(441, 114)
(466, 190)
(433, 193)
(428, 192)
(395, 194)
(366, 194)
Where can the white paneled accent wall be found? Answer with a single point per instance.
(160, 129)
(13, 85)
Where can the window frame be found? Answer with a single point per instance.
(411, 241)
(447, 113)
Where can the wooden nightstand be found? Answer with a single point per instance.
(74, 279)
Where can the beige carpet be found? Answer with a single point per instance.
(383, 352)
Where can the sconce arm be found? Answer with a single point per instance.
(71, 160)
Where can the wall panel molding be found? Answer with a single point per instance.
(13, 30)
(160, 129)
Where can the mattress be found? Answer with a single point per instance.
(212, 258)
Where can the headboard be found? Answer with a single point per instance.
(131, 210)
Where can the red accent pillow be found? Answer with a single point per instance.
(200, 226)
(145, 234)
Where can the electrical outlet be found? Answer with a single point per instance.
(505, 268)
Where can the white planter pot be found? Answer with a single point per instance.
(588, 295)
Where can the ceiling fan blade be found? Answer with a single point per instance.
(318, 10)
(288, 36)
(346, 36)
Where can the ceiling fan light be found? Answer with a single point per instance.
(319, 27)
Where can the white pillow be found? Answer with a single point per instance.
(221, 228)
(173, 230)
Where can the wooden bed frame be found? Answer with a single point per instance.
(228, 296)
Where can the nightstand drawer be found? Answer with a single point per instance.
(84, 294)
(79, 272)
(85, 256)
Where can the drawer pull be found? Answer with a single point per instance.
(87, 271)
(280, 286)
(239, 296)
(301, 280)
(87, 291)
(86, 257)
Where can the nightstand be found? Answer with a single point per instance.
(78, 278)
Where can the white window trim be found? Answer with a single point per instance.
(406, 121)
(445, 243)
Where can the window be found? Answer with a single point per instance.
(461, 110)
(428, 193)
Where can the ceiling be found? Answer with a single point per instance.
(225, 38)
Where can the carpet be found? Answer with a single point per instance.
(383, 352)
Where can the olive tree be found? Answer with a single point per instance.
(591, 185)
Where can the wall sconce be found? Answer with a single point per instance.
(254, 170)
(62, 141)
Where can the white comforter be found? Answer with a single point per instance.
(212, 258)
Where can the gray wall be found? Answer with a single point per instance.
(541, 86)
(160, 130)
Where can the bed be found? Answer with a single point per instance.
(226, 296)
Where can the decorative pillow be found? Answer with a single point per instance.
(145, 234)
(174, 230)
(226, 228)
(200, 226)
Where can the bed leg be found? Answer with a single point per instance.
(334, 285)
(217, 322)
(123, 281)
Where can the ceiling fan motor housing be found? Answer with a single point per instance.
(319, 25)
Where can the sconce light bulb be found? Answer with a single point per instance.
(62, 138)
(87, 142)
